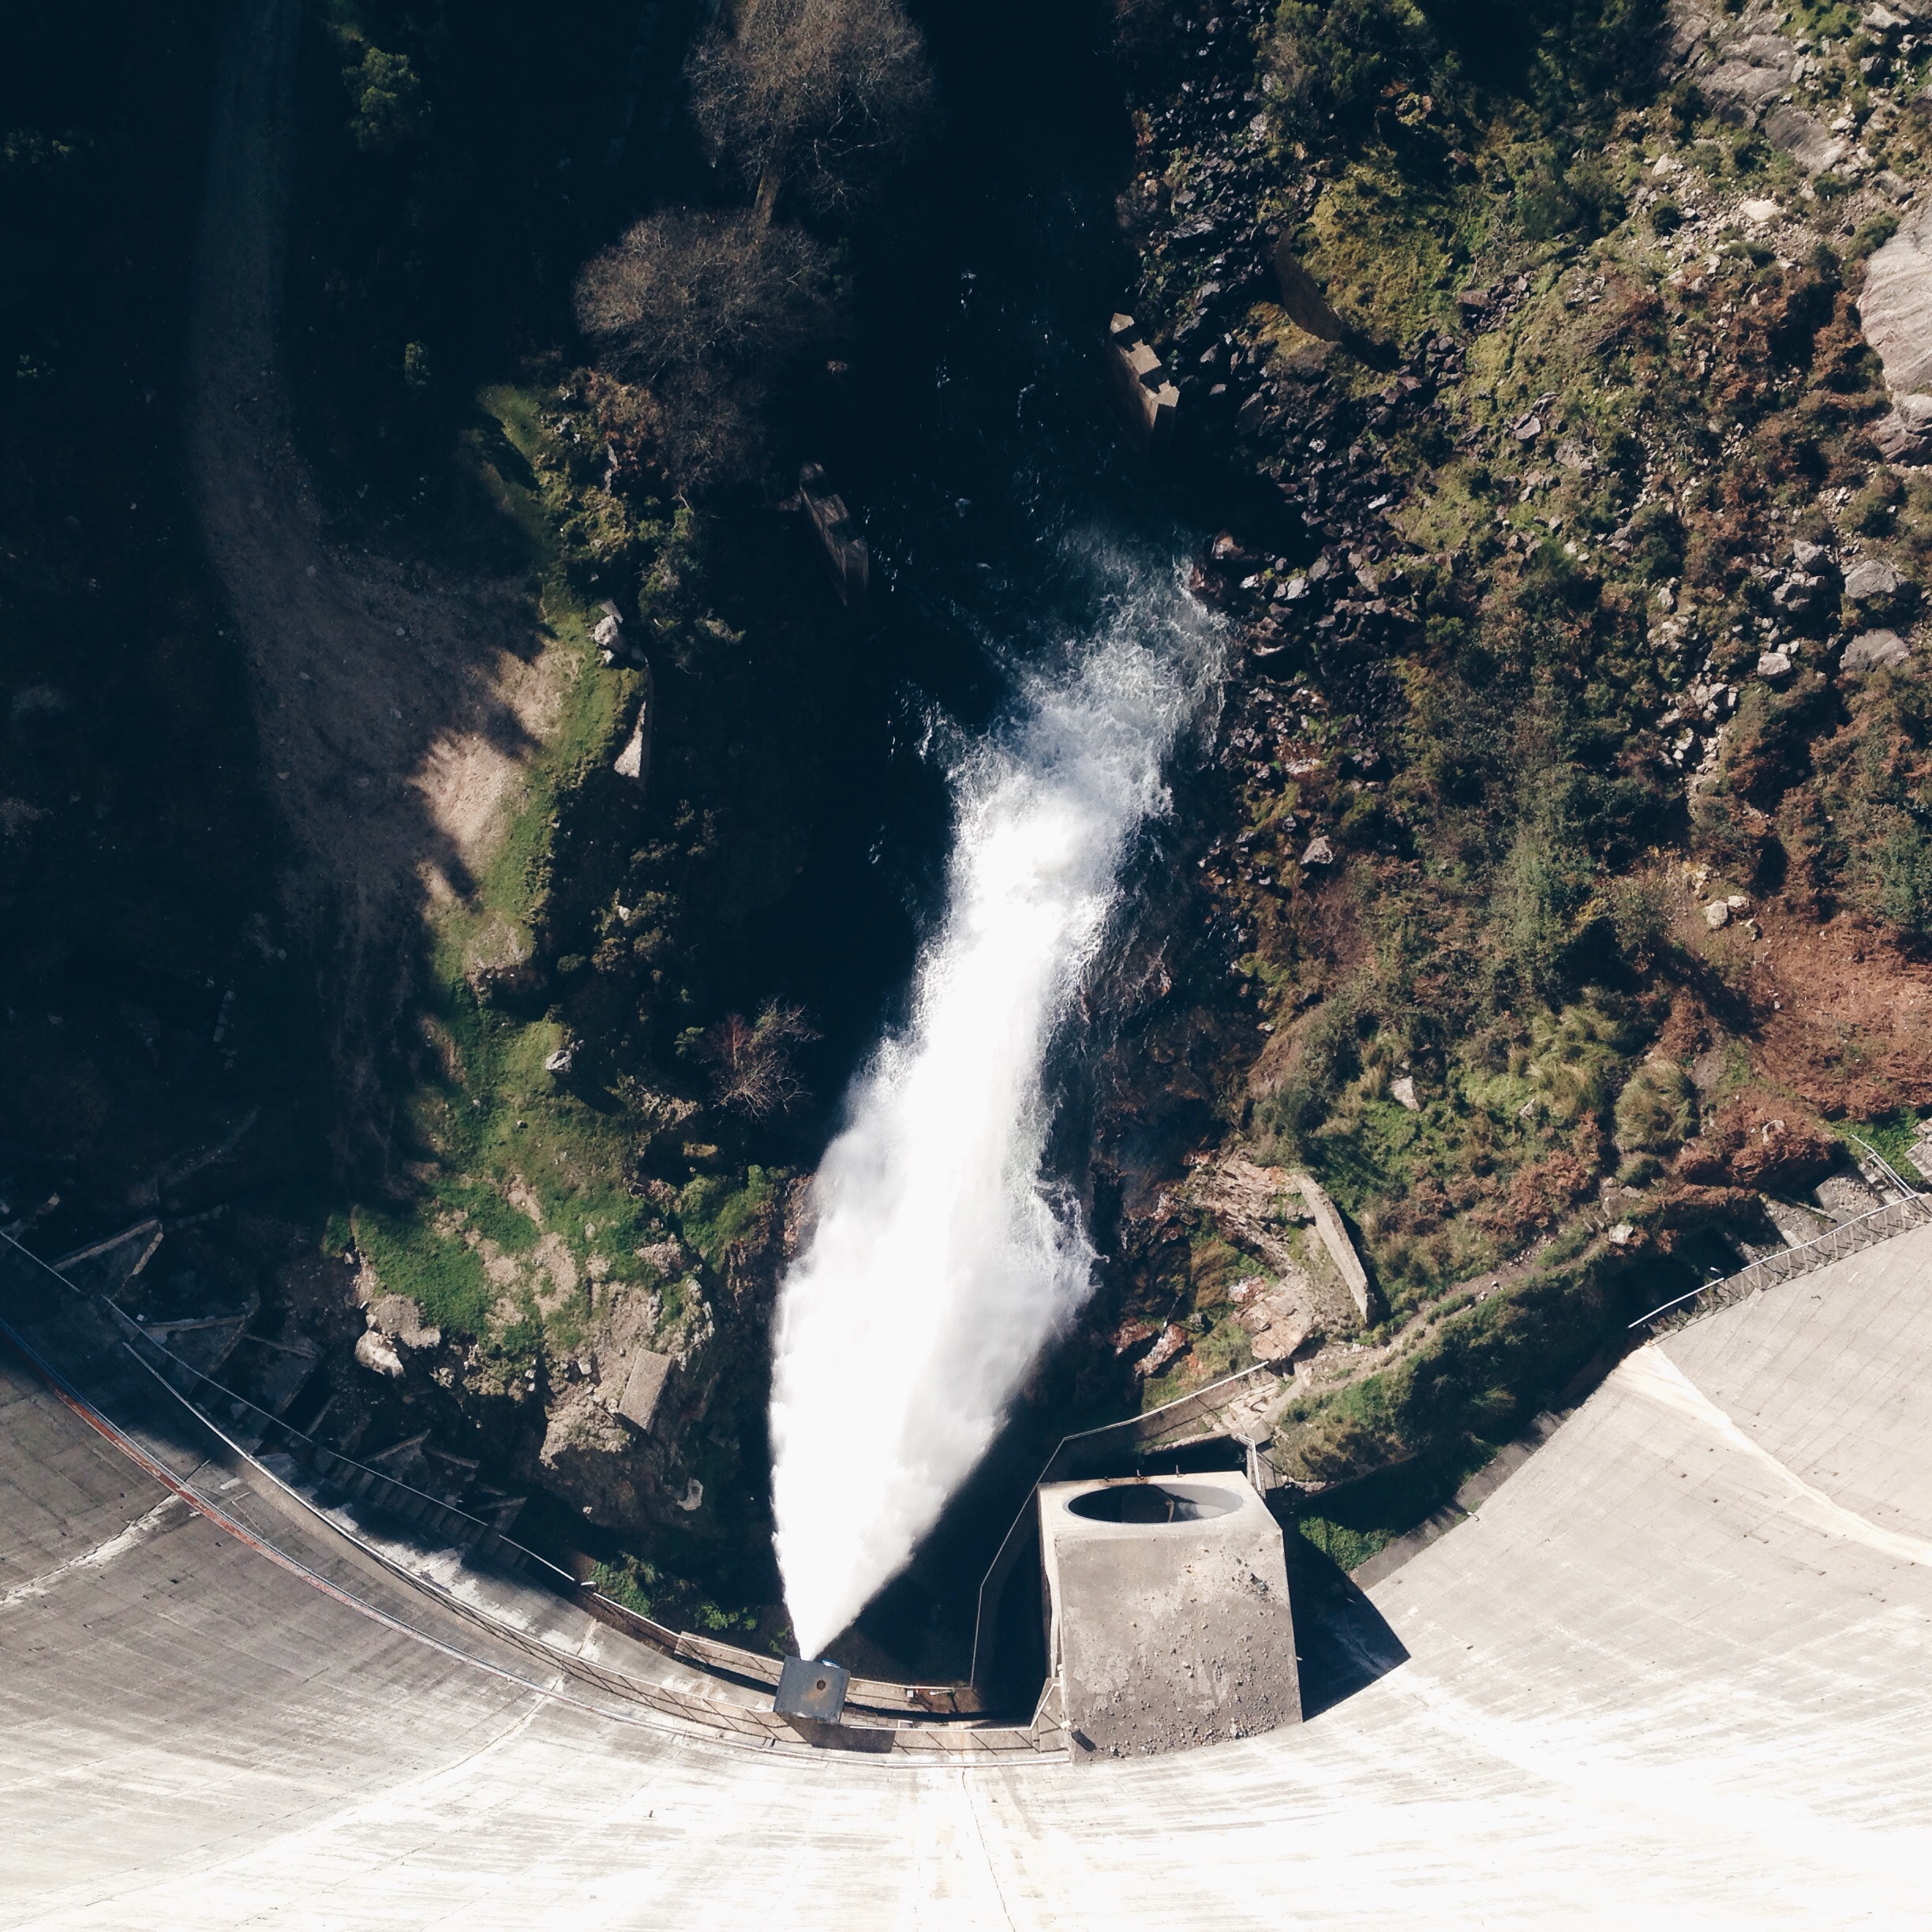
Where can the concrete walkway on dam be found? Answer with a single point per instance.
(1676, 1671)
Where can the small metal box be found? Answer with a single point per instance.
(809, 1687)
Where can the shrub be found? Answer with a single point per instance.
(1640, 918)
(387, 100)
(1903, 870)
(1871, 234)
(709, 308)
(1333, 62)
(1657, 1111)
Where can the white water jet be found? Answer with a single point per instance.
(940, 1259)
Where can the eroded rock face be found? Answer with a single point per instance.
(1805, 138)
(1896, 308)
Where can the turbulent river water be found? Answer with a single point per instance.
(943, 1255)
(1035, 664)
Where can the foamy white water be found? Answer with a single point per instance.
(941, 1260)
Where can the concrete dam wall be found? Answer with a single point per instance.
(1678, 1670)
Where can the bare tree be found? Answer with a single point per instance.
(822, 95)
(685, 288)
(708, 307)
(752, 1061)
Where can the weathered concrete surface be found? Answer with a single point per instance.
(1678, 1671)
(1166, 1634)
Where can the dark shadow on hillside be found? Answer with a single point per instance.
(1343, 1642)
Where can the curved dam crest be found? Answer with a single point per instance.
(1650, 1682)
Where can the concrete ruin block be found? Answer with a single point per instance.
(846, 556)
(1335, 1237)
(643, 1388)
(1140, 383)
(1168, 1622)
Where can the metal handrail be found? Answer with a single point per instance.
(1848, 1237)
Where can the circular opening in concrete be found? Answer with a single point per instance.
(1155, 1503)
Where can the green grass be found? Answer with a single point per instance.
(1894, 1135)
(445, 1276)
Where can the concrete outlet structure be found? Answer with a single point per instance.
(1168, 1621)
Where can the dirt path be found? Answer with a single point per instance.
(395, 711)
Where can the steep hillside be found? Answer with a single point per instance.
(1568, 846)
(458, 839)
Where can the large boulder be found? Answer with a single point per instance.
(1871, 650)
(1871, 583)
(1896, 306)
(1905, 436)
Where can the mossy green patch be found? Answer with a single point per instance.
(440, 1273)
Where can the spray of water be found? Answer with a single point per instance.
(942, 1259)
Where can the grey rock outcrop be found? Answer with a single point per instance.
(1895, 306)
(1905, 436)
(1748, 74)
(1870, 650)
(633, 761)
(1871, 583)
(1805, 138)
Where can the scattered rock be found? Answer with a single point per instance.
(374, 1350)
(1320, 852)
(1871, 583)
(1773, 665)
(563, 1059)
(1174, 1340)
(397, 1318)
(1528, 429)
(1871, 649)
(1716, 915)
(1623, 1235)
(1758, 213)
(1403, 1091)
